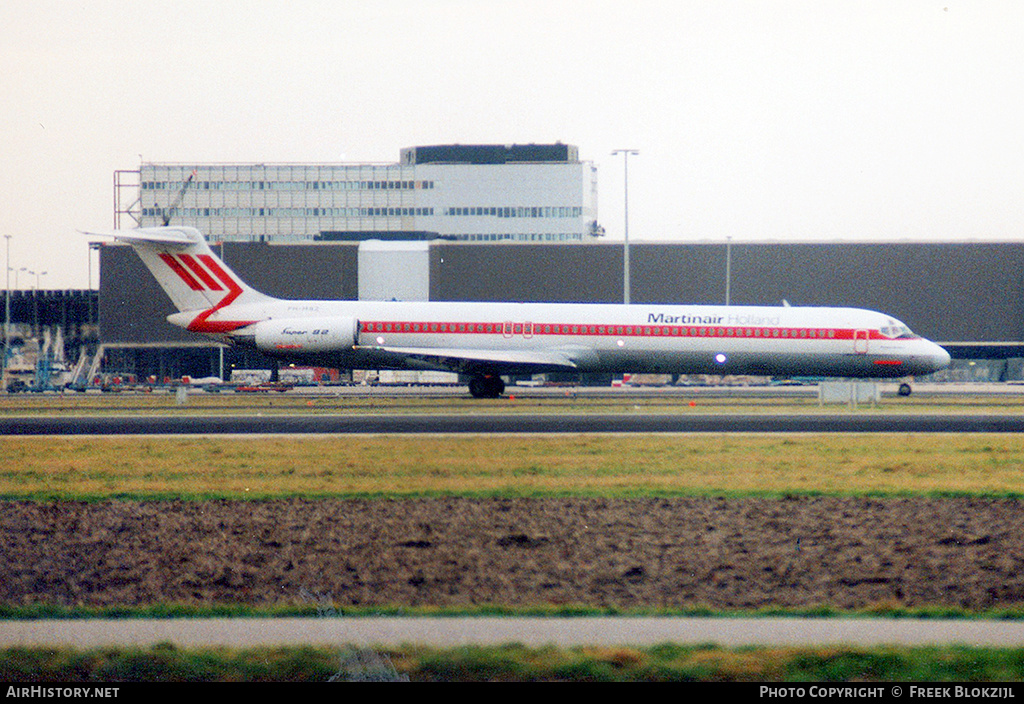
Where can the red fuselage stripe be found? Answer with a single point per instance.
(218, 326)
(537, 329)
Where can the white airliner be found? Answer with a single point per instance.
(487, 340)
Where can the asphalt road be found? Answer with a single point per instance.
(566, 632)
(509, 423)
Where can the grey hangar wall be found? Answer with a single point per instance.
(966, 294)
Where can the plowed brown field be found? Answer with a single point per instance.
(723, 553)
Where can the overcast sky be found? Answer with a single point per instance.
(776, 120)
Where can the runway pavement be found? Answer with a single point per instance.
(508, 423)
(566, 632)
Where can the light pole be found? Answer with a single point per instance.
(36, 299)
(35, 302)
(7, 317)
(728, 267)
(625, 194)
(92, 246)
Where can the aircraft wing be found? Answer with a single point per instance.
(499, 361)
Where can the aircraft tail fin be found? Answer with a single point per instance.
(193, 277)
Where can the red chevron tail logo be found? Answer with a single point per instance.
(203, 272)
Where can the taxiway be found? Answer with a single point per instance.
(486, 423)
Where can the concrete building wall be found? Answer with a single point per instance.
(944, 291)
(394, 271)
(511, 272)
(312, 271)
(948, 292)
(132, 306)
(134, 309)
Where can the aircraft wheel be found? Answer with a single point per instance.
(478, 387)
(904, 390)
(486, 386)
(498, 386)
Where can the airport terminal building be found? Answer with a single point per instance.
(539, 193)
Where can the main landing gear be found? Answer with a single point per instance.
(904, 389)
(486, 386)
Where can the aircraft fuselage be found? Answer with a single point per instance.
(638, 338)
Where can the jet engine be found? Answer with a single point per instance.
(282, 336)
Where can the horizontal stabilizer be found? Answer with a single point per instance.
(192, 276)
(167, 236)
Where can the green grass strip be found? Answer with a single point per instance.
(92, 469)
(513, 662)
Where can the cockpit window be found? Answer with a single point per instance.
(896, 330)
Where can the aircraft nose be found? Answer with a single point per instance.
(938, 357)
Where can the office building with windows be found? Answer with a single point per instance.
(534, 193)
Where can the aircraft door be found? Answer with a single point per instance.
(860, 341)
(510, 329)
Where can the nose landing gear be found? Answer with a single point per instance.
(486, 386)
